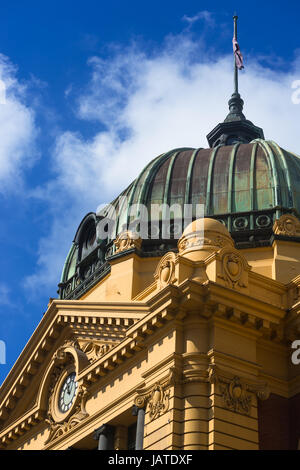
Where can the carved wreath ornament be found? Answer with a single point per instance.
(165, 271)
(236, 393)
(234, 269)
(236, 396)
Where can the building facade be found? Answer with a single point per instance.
(166, 342)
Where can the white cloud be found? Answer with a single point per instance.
(150, 105)
(52, 252)
(145, 105)
(17, 128)
(4, 294)
(201, 15)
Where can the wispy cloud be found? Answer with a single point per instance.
(17, 128)
(4, 295)
(204, 15)
(146, 104)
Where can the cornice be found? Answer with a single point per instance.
(271, 284)
(282, 387)
(24, 424)
(248, 368)
(146, 292)
(173, 358)
(294, 281)
(130, 306)
(135, 336)
(295, 309)
(168, 310)
(126, 310)
(247, 303)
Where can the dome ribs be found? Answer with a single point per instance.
(189, 176)
(209, 181)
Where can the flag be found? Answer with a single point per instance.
(237, 54)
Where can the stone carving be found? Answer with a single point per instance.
(82, 349)
(196, 241)
(157, 400)
(165, 271)
(55, 374)
(156, 397)
(287, 225)
(237, 394)
(234, 269)
(220, 241)
(63, 355)
(93, 350)
(70, 352)
(78, 414)
(126, 241)
(185, 243)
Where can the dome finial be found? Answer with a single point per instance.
(236, 82)
(235, 128)
(236, 103)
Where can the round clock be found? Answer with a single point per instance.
(67, 393)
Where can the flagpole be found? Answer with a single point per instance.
(236, 82)
(236, 103)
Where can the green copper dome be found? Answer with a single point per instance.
(230, 181)
(246, 186)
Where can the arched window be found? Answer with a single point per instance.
(85, 238)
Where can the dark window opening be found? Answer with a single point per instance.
(131, 437)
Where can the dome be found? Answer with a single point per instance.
(245, 187)
(202, 237)
(208, 225)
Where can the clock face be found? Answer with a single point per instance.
(67, 393)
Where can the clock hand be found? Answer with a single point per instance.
(69, 387)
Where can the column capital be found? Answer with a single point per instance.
(135, 409)
(105, 429)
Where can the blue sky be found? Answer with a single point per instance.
(93, 91)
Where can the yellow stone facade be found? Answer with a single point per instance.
(199, 339)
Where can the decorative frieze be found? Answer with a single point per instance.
(197, 242)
